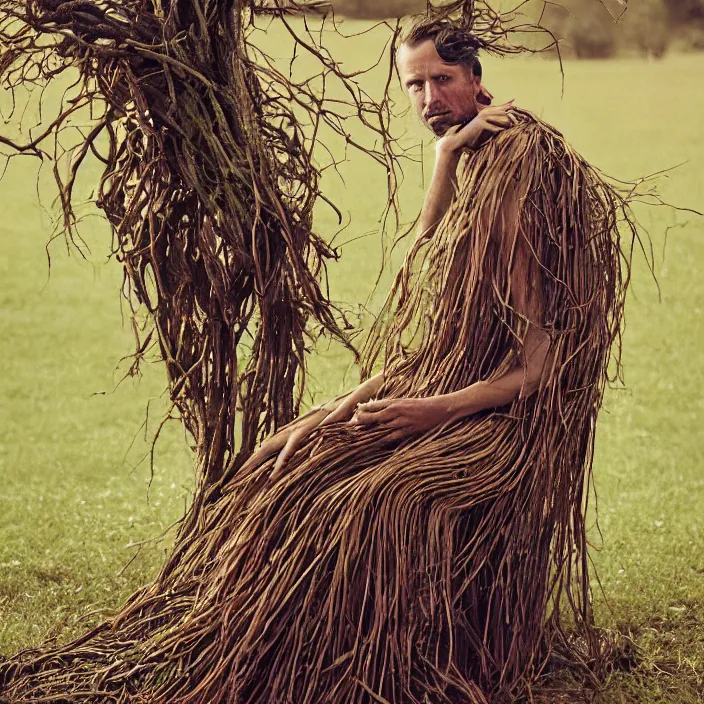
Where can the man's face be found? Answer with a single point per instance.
(442, 94)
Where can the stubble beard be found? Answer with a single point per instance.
(442, 126)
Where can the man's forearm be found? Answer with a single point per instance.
(488, 394)
(373, 383)
(361, 392)
(440, 191)
(523, 381)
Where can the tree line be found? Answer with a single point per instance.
(648, 27)
(585, 28)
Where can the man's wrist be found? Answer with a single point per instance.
(446, 155)
(460, 404)
(444, 407)
(373, 383)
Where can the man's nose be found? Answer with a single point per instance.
(430, 95)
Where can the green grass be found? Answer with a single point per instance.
(74, 493)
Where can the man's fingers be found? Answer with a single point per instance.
(382, 416)
(502, 119)
(499, 127)
(496, 125)
(491, 111)
(495, 110)
(373, 406)
(343, 411)
(289, 449)
(336, 415)
(271, 445)
(282, 458)
(255, 460)
(396, 435)
(366, 418)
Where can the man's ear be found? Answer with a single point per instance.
(484, 96)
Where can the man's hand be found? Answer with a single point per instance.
(292, 434)
(490, 119)
(404, 416)
(288, 440)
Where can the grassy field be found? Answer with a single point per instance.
(75, 500)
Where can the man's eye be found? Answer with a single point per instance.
(442, 79)
(415, 87)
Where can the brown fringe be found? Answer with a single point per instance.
(438, 569)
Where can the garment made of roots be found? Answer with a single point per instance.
(422, 571)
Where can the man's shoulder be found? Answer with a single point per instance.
(539, 134)
(531, 150)
(533, 145)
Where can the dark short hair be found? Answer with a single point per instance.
(455, 45)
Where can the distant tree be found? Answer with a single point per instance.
(646, 27)
(587, 30)
(591, 30)
(683, 11)
(377, 9)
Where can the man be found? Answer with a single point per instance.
(440, 72)
(476, 450)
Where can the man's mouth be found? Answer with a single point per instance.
(430, 118)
